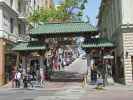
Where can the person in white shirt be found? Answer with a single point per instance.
(17, 79)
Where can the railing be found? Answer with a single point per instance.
(10, 36)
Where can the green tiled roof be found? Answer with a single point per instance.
(63, 28)
(97, 43)
(29, 46)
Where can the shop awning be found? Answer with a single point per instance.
(64, 29)
(97, 43)
(29, 46)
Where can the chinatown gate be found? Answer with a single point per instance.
(45, 42)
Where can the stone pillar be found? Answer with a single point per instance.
(116, 76)
(24, 67)
(2, 61)
(41, 67)
(128, 53)
(17, 61)
(128, 71)
(88, 68)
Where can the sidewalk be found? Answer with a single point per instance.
(48, 86)
(115, 87)
(74, 92)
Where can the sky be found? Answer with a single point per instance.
(92, 9)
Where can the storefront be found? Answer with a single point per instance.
(31, 58)
(100, 58)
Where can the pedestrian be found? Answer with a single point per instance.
(42, 77)
(30, 79)
(17, 79)
(13, 78)
(94, 73)
(95, 76)
(25, 82)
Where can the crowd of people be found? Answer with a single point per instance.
(18, 79)
(100, 73)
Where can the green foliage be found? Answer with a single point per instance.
(85, 1)
(60, 14)
(70, 3)
(51, 14)
(80, 13)
(34, 17)
(82, 6)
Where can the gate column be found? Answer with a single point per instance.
(2, 61)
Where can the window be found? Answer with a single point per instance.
(11, 3)
(11, 25)
(19, 6)
(132, 66)
(5, 21)
(19, 29)
(34, 3)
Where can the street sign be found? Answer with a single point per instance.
(108, 57)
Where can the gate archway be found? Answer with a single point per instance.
(52, 36)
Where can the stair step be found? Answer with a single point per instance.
(66, 80)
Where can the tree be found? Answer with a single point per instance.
(34, 17)
(48, 15)
(61, 14)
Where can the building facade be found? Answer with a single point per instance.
(36, 4)
(13, 28)
(115, 21)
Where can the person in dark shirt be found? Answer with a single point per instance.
(25, 82)
(30, 79)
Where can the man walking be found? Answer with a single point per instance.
(17, 79)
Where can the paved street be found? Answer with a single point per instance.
(74, 72)
(68, 90)
(79, 66)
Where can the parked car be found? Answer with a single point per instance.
(84, 57)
